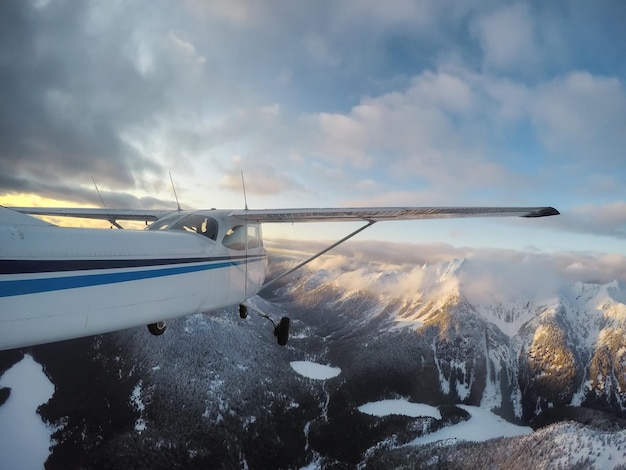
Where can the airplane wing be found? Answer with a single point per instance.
(101, 214)
(369, 214)
(376, 214)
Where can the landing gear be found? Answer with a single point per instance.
(281, 329)
(158, 328)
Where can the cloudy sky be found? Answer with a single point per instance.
(324, 103)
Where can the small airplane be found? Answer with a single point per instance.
(58, 283)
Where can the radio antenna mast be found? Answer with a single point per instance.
(104, 206)
(243, 183)
(175, 196)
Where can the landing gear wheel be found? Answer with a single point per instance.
(281, 331)
(243, 311)
(158, 328)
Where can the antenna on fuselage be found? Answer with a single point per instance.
(104, 206)
(243, 183)
(175, 195)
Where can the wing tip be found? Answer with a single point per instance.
(543, 212)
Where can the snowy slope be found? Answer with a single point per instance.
(489, 341)
(216, 390)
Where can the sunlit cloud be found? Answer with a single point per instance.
(327, 104)
(607, 219)
(486, 275)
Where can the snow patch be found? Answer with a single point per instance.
(399, 407)
(136, 400)
(316, 371)
(482, 426)
(24, 438)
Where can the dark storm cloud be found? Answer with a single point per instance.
(85, 195)
(67, 94)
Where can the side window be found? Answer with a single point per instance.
(209, 228)
(235, 238)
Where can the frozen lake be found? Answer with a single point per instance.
(316, 371)
(482, 425)
(399, 407)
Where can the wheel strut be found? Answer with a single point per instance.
(281, 329)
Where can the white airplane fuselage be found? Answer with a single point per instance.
(58, 283)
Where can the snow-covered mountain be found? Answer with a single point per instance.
(520, 351)
(217, 391)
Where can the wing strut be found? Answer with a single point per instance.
(114, 222)
(325, 250)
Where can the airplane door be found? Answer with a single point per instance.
(247, 261)
(236, 242)
(255, 271)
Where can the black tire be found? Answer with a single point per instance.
(282, 331)
(243, 311)
(158, 328)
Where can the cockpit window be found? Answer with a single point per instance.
(196, 223)
(164, 223)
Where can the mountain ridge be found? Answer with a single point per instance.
(216, 390)
(546, 349)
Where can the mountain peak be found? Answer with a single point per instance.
(451, 269)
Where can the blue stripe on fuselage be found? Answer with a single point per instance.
(34, 286)
(57, 266)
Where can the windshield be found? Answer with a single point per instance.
(196, 223)
(164, 223)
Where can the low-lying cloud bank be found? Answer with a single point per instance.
(397, 268)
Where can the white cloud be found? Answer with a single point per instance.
(260, 180)
(344, 138)
(399, 269)
(187, 86)
(187, 48)
(507, 37)
(608, 219)
(320, 51)
(446, 127)
(485, 279)
(379, 16)
(582, 115)
(432, 130)
(239, 12)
